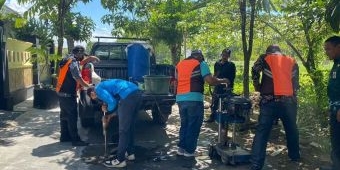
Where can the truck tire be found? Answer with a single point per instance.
(161, 115)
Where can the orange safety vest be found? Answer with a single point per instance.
(281, 68)
(189, 78)
(62, 75)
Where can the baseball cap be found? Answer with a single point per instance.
(226, 51)
(196, 52)
(273, 49)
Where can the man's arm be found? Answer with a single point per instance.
(209, 78)
(213, 81)
(74, 69)
(89, 59)
(295, 79)
(256, 70)
(107, 98)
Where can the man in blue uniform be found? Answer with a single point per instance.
(127, 97)
(332, 49)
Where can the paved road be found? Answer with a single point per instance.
(31, 143)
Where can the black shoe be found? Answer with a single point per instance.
(210, 120)
(79, 143)
(325, 168)
(65, 139)
(297, 159)
(254, 167)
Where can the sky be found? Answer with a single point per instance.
(93, 9)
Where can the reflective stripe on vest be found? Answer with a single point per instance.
(62, 75)
(281, 68)
(189, 77)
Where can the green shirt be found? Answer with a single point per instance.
(333, 89)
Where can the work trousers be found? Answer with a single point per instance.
(286, 111)
(335, 137)
(191, 114)
(127, 113)
(68, 118)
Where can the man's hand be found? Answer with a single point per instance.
(226, 81)
(104, 108)
(338, 116)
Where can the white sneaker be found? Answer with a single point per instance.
(186, 154)
(115, 164)
(180, 152)
(130, 157)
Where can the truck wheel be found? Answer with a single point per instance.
(161, 115)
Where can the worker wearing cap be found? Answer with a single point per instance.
(278, 89)
(223, 68)
(191, 73)
(68, 79)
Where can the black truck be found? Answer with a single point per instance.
(114, 64)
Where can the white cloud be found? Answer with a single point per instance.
(20, 8)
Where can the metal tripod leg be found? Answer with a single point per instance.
(105, 138)
(222, 133)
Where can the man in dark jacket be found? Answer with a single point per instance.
(68, 79)
(223, 68)
(332, 48)
(278, 88)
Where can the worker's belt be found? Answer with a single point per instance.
(334, 103)
(277, 98)
(61, 94)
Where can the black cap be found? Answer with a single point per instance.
(196, 53)
(226, 51)
(273, 49)
(79, 48)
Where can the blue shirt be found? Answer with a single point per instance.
(110, 91)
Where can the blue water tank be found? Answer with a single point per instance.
(138, 62)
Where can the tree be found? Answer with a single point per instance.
(247, 46)
(79, 29)
(161, 20)
(54, 11)
(19, 21)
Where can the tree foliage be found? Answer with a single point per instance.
(164, 21)
(54, 11)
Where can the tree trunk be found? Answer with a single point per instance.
(61, 15)
(247, 46)
(175, 53)
(70, 43)
(321, 99)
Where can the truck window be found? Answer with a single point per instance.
(108, 52)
